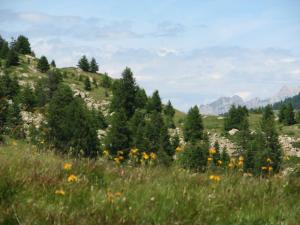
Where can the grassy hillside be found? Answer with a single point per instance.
(34, 189)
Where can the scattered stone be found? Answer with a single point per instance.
(233, 131)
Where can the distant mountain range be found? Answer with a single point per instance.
(223, 104)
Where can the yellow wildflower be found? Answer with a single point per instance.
(134, 150)
(241, 158)
(209, 159)
(215, 177)
(121, 158)
(270, 168)
(219, 162)
(72, 178)
(212, 151)
(240, 163)
(67, 166)
(178, 149)
(145, 155)
(117, 160)
(106, 152)
(269, 160)
(153, 156)
(230, 165)
(60, 192)
(264, 168)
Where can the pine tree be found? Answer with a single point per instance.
(84, 64)
(87, 84)
(235, 117)
(282, 113)
(71, 125)
(165, 144)
(54, 79)
(154, 103)
(118, 134)
(298, 116)
(141, 98)
(53, 64)
(43, 65)
(270, 136)
(12, 58)
(94, 66)
(169, 110)
(193, 125)
(289, 115)
(22, 45)
(124, 94)
(28, 98)
(4, 49)
(9, 86)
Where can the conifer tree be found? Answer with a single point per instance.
(94, 66)
(154, 103)
(235, 117)
(53, 64)
(4, 49)
(22, 45)
(43, 65)
(141, 98)
(84, 64)
(9, 86)
(71, 125)
(124, 94)
(289, 115)
(270, 136)
(282, 113)
(54, 79)
(117, 138)
(28, 98)
(165, 144)
(169, 110)
(87, 84)
(193, 125)
(12, 58)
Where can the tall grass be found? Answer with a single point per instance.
(106, 193)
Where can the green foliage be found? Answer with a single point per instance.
(169, 109)
(22, 45)
(28, 98)
(106, 81)
(94, 66)
(124, 94)
(264, 146)
(12, 58)
(87, 84)
(99, 119)
(194, 156)
(53, 64)
(154, 103)
(235, 118)
(43, 65)
(4, 49)
(9, 86)
(118, 134)
(286, 114)
(84, 64)
(71, 125)
(193, 125)
(141, 98)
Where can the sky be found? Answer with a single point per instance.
(192, 51)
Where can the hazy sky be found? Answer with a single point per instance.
(191, 51)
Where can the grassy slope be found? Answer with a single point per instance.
(111, 194)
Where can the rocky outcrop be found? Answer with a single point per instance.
(287, 145)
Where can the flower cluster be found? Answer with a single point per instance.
(215, 178)
(268, 166)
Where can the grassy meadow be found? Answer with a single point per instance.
(41, 187)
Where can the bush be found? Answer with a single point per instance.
(194, 156)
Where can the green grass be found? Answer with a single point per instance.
(109, 194)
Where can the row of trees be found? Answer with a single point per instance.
(87, 66)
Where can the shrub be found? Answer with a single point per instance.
(194, 156)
